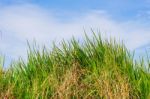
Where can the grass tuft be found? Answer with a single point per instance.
(97, 68)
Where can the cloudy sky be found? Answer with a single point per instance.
(51, 20)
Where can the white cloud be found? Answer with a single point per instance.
(28, 22)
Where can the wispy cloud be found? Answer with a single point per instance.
(28, 22)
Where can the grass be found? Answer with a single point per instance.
(94, 69)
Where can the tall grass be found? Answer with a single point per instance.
(94, 69)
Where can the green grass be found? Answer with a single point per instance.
(94, 69)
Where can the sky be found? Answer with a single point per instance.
(45, 21)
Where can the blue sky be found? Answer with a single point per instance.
(51, 20)
(120, 9)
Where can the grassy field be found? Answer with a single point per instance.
(97, 69)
